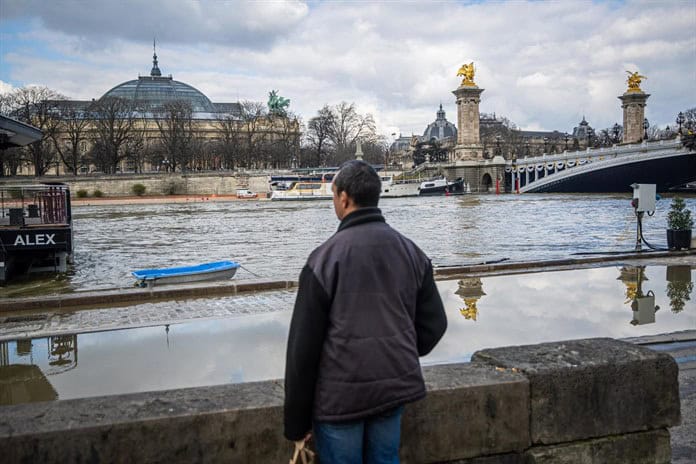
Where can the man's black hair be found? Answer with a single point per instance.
(360, 181)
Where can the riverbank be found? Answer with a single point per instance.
(160, 199)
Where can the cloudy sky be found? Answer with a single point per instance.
(543, 64)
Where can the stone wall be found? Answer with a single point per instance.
(162, 184)
(590, 401)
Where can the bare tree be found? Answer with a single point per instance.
(318, 136)
(253, 121)
(228, 145)
(115, 120)
(71, 136)
(347, 126)
(36, 106)
(285, 142)
(689, 123)
(177, 131)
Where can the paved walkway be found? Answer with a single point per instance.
(61, 322)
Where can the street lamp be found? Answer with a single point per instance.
(616, 129)
(590, 136)
(646, 125)
(526, 148)
(497, 145)
(680, 121)
(546, 142)
(566, 137)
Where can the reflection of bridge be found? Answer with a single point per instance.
(667, 163)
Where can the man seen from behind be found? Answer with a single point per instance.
(367, 308)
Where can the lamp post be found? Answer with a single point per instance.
(680, 121)
(616, 129)
(590, 136)
(646, 125)
(526, 148)
(565, 138)
(497, 145)
(546, 143)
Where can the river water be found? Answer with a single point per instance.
(273, 239)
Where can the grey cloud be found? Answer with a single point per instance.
(543, 64)
(233, 23)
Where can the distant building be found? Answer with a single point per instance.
(150, 95)
(440, 129)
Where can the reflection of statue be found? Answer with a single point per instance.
(467, 71)
(633, 278)
(470, 291)
(634, 80)
(276, 103)
(642, 305)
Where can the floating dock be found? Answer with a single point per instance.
(35, 229)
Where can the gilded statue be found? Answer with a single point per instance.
(634, 80)
(467, 71)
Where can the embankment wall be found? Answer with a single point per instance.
(224, 183)
(590, 401)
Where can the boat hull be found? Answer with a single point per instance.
(452, 188)
(397, 190)
(181, 275)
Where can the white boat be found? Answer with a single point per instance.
(394, 189)
(308, 189)
(186, 274)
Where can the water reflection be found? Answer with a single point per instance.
(679, 287)
(24, 371)
(470, 291)
(513, 310)
(642, 304)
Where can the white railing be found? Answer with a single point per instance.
(568, 164)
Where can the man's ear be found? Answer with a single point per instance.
(344, 199)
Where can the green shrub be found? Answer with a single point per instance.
(98, 193)
(82, 193)
(138, 189)
(16, 193)
(174, 187)
(679, 217)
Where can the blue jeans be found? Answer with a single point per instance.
(374, 440)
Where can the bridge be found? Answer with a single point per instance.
(666, 163)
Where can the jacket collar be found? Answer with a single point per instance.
(361, 216)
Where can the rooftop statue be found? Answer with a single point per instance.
(276, 103)
(467, 70)
(634, 80)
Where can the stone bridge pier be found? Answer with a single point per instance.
(480, 176)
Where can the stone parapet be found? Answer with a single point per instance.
(509, 406)
(583, 389)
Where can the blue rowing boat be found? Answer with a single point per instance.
(186, 274)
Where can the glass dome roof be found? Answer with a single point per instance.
(441, 128)
(153, 91)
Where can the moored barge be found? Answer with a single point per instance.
(35, 229)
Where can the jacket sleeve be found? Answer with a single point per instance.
(431, 321)
(307, 332)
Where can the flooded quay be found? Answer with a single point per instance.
(66, 353)
(212, 341)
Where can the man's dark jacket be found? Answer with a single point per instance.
(367, 307)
